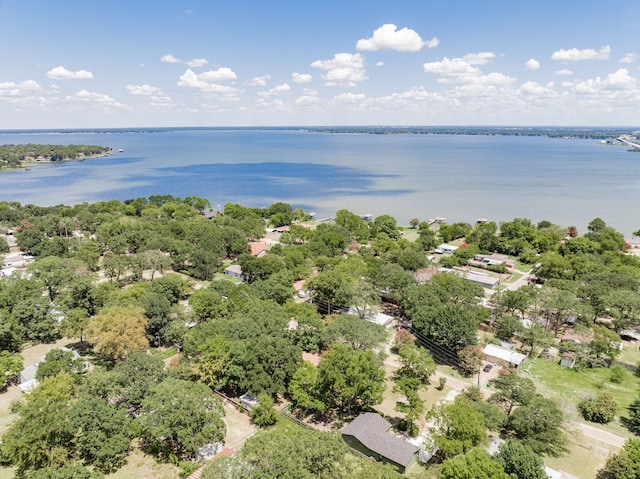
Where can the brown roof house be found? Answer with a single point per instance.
(368, 434)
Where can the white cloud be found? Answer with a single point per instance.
(307, 100)
(222, 73)
(258, 81)
(619, 81)
(279, 89)
(301, 77)
(629, 58)
(563, 72)
(388, 37)
(98, 98)
(575, 54)
(142, 89)
(161, 102)
(532, 64)
(496, 79)
(195, 63)
(61, 73)
(10, 88)
(451, 66)
(380, 63)
(480, 58)
(344, 69)
(536, 89)
(169, 58)
(190, 79)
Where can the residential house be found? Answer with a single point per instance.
(258, 249)
(27, 380)
(235, 271)
(492, 260)
(445, 248)
(500, 355)
(368, 434)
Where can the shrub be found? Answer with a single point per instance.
(618, 374)
(601, 409)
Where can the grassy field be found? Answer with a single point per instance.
(569, 386)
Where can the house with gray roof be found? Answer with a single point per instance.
(368, 435)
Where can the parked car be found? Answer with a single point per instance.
(487, 368)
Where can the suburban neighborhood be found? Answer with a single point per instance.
(421, 351)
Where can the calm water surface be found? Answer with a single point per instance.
(461, 177)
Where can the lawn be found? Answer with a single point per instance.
(630, 353)
(569, 386)
(584, 458)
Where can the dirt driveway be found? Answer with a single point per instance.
(239, 427)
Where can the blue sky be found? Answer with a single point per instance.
(73, 64)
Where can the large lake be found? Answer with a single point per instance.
(460, 177)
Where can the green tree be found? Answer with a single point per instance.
(179, 427)
(41, 437)
(35, 318)
(354, 224)
(513, 391)
(410, 378)
(304, 388)
(207, 305)
(55, 273)
(350, 329)
(10, 337)
(458, 427)
(10, 366)
(476, 464)
(89, 253)
(294, 454)
(350, 379)
(508, 326)
(101, 432)
(135, 376)
(538, 424)
(625, 464)
(212, 366)
(264, 413)
(332, 290)
(58, 360)
(267, 365)
(74, 324)
(519, 461)
(449, 326)
(68, 470)
(535, 336)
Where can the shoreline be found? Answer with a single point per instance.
(27, 165)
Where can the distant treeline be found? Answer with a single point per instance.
(552, 132)
(12, 156)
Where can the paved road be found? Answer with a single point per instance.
(599, 434)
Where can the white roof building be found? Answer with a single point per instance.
(494, 353)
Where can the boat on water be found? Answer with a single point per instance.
(120, 150)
